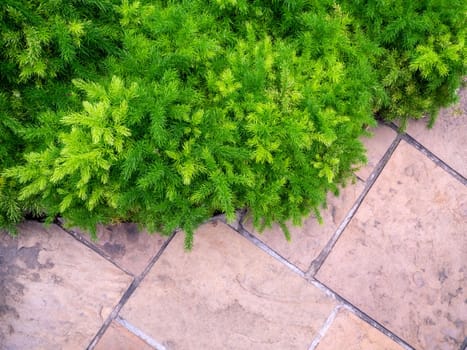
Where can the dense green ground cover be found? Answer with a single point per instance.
(166, 112)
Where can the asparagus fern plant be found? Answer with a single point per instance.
(164, 113)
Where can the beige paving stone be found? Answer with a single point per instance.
(118, 337)
(126, 245)
(225, 294)
(55, 292)
(349, 332)
(309, 239)
(402, 259)
(376, 147)
(448, 137)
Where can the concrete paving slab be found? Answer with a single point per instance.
(403, 257)
(55, 292)
(225, 294)
(448, 137)
(309, 239)
(124, 244)
(349, 332)
(117, 337)
(376, 147)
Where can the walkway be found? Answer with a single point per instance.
(388, 270)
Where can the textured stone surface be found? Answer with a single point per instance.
(55, 292)
(348, 332)
(126, 245)
(402, 259)
(225, 294)
(376, 147)
(117, 337)
(309, 239)
(448, 137)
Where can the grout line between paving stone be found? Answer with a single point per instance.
(260, 244)
(318, 262)
(362, 315)
(128, 293)
(438, 161)
(237, 226)
(140, 334)
(91, 246)
(322, 332)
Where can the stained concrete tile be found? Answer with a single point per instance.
(55, 292)
(225, 294)
(403, 257)
(349, 332)
(126, 245)
(376, 146)
(309, 239)
(117, 337)
(448, 137)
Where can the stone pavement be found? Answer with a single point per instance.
(386, 271)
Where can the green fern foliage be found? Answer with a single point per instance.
(422, 56)
(165, 113)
